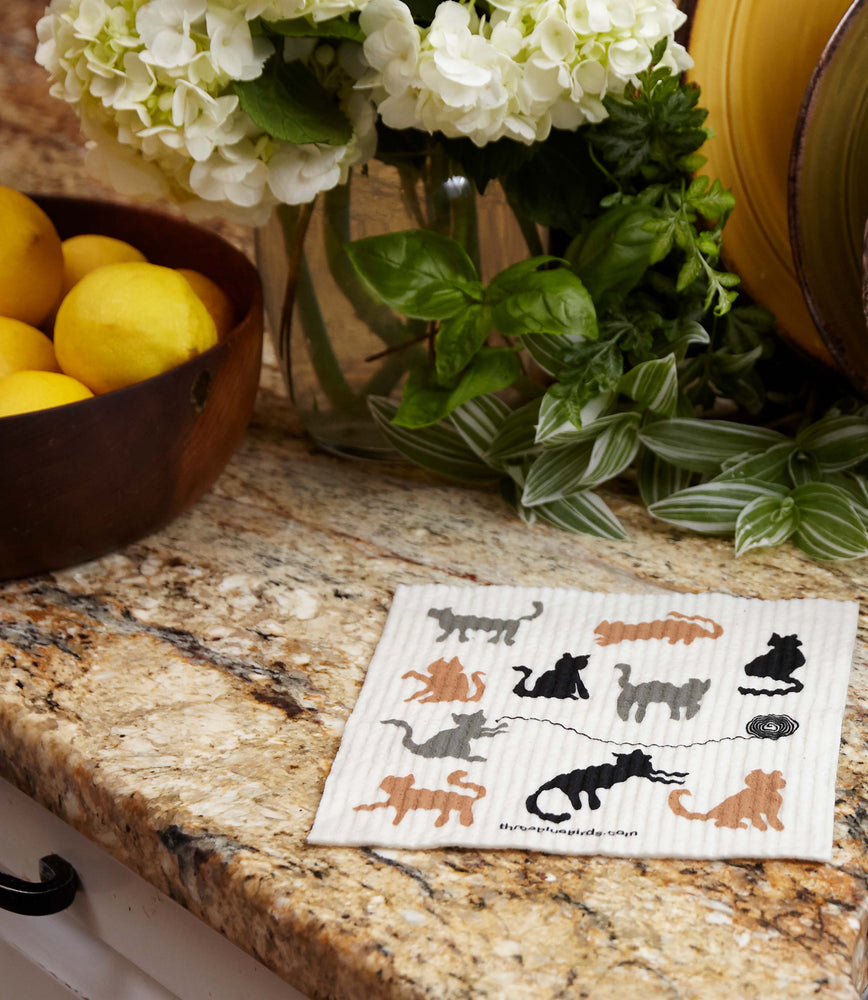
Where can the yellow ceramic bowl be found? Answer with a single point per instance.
(753, 62)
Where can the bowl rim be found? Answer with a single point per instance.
(838, 348)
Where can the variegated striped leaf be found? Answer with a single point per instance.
(836, 442)
(829, 527)
(479, 420)
(765, 521)
(584, 463)
(554, 425)
(703, 445)
(770, 466)
(658, 478)
(583, 514)
(551, 352)
(653, 384)
(711, 508)
(515, 440)
(438, 447)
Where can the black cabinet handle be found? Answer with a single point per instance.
(54, 891)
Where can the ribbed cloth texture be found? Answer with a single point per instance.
(639, 725)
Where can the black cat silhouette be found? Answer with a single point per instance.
(777, 664)
(589, 780)
(562, 681)
(453, 742)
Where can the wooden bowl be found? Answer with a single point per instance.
(828, 197)
(90, 477)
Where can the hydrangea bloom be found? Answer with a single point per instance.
(531, 66)
(151, 81)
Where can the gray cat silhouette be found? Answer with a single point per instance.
(453, 742)
(686, 696)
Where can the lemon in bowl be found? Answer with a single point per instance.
(26, 391)
(88, 251)
(127, 322)
(99, 474)
(31, 259)
(22, 347)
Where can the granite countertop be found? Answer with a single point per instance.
(181, 701)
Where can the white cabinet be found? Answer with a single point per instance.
(120, 939)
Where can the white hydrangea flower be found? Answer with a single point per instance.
(532, 65)
(151, 81)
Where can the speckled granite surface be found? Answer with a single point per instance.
(180, 702)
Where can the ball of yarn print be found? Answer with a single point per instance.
(771, 727)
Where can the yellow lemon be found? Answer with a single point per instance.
(216, 301)
(24, 391)
(31, 259)
(24, 347)
(123, 323)
(88, 251)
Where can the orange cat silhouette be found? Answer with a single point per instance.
(446, 681)
(761, 797)
(403, 797)
(675, 627)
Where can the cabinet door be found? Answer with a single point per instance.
(120, 939)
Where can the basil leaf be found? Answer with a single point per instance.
(711, 508)
(458, 339)
(829, 525)
(553, 302)
(424, 401)
(765, 521)
(438, 448)
(614, 252)
(703, 445)
(417, 272)
(291, 105)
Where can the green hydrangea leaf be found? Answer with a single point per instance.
(291, 105)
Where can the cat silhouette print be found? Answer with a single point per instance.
(446, 681)
(503, 628)
(562, 681)
(676, 627)
(452, 742)
(591, 779)
(777, 664)
(403, 796)
(760, 798)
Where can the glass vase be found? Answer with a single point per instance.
(336, 343)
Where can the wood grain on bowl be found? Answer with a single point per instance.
(90, 477)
